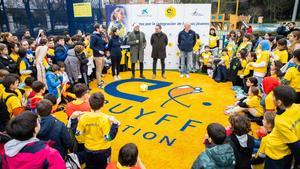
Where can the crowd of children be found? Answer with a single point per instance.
(39, 77)
(265, 75)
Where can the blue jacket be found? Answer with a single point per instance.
(97, 43)
(56, 132)
(217, 157)
(186, 40)
(114, 46)
(53, 82)
(61, 53)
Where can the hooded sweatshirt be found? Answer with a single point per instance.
(32, 153)
(56, 132)
(243, 150)
(217, 157)
(268, 85)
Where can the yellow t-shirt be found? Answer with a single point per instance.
(213, 41)
(205, 57)
(197, 45)
(243, 64)
(2, 88)
(248, 68)
(51, 52)
(243, 45)
(254, 102)
(293, 76)
(92, 129)
(262, 146)
(13, 102)
(264, 56)
(23, 68)
(270, 106)
(286, 130)
(14, 56)
(230, 48)
(281, 55)
(226, 60)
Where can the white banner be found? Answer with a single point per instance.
(171, 17)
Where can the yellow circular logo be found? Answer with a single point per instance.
(170, 12)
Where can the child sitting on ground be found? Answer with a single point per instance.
(260, 143)
(241, 142)
(221, 155)
(248, 72)
(250, 105)
(128, 158)
(39, 88)
(268, 85)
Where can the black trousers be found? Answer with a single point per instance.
(115, 67)
(163, 65)
(133, 68)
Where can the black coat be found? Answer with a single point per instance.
(8, 64)
(159, 41)
(114, 46)
(97, 43)
(242, 154)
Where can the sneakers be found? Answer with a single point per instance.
(142, 76)
(116, 78)
(163, 76)
(181, 75)
(187, 76)
(119, 78)
(153, 76)
(101, 85)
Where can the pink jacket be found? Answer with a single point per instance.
(31, 154)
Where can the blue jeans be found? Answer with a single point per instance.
(186, 62)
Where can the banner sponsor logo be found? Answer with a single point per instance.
(170, 12)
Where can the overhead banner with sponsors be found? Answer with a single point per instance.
(170, 16)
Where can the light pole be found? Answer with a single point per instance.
(295, 10)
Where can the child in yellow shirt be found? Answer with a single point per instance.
(281, 52)
(268, 85)
(213, 42)
(26, 66)
(249, 105)
(206, 59)
(292, 76)
(96, 130)
(231, 47)
(196, 52)
(14, 52)
(284, 141)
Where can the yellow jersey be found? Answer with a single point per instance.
(248, 68)
(244, 45)
(264, 56)
(92, 129)
(14, 56)
(293, 77)
(254, 102)
(226, 59)
(286, 130)
(206, 56)
(230, 47)
(281, 55)
(13, 102)
(269, 103)
(243, 64)
(213, 41)
(197, 45)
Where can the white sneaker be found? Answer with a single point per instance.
(116, 78)
(182, 75)
(119, 77)
(187, 76)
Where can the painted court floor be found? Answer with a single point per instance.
(167, 122)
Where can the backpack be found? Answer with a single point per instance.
(4, 114)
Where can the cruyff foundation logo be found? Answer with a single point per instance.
(180, 91)
(173, 93)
